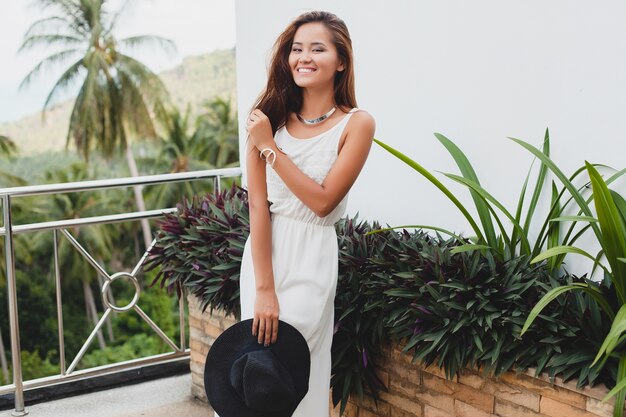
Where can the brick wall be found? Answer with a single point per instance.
(416, 390)
(203, 330)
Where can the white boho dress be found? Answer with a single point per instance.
(304, 259)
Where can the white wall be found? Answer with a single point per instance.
(476, 72)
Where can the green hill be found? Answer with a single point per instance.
(199, 78)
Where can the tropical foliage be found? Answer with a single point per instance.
(553, 243)
(611, 235)
(447, 307)
(490, 229)
(117, 92)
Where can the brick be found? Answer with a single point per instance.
(462, 409)
(546, 389)
(368, 403)
(481, 400)
(197, 380)
(438, 384)
(197, 369)
(406, 359)
(198, 356)
(599, 408)
(598, 392)
(401, 364)
(435, 412)
(434, 370)
(402, 403)
(200, 336)
(472, 380)
(384, 376)
(199, 393)
(366, 413)
(197, 346)
(504, 408)
(516, 395)
(212, 331)
(195, 322)
(555, 408)
(437, 400)
(396, 412)
(463, 392)
(404, 387)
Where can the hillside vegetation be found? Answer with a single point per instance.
(197, 79)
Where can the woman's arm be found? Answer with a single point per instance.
(265, 322)
(320, 198)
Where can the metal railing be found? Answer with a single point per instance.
(59, 226)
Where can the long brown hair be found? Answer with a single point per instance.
(282, 95)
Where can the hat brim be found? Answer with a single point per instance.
(290, 348)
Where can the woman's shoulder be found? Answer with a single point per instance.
(361, 120)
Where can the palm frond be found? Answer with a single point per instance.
(144, 40)
(47, 64)
(7, 146)
(64, 81)
(46, 40)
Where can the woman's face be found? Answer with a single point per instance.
(313, 58)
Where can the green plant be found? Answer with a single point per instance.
(611, 235)
(359, 325)
(200, 248)
(452, 308)
(490, 229)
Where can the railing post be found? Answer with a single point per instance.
(218, 185)
(16, 358)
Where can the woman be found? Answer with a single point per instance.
(307, 144)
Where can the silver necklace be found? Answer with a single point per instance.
(317, 119)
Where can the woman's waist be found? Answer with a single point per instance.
(303, 219)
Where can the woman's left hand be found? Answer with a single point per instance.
(260, 129)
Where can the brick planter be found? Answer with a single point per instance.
(203, 330)
(416, 390)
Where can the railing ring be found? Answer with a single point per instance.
(132, 303)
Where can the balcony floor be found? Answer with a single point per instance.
(165, 397)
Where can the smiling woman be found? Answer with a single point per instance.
(290, 261)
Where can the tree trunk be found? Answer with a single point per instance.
(92, 313)
(139, 201)
(3, 361)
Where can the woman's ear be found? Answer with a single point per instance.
(340, 67)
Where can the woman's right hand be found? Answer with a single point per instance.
(265, 322)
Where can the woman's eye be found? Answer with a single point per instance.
(300, 50)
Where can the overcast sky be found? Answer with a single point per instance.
(196, 27)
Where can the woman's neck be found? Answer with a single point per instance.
(316, 102)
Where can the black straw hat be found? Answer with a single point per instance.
(243, 378)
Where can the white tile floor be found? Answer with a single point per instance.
(166, 397)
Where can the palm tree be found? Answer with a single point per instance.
(96, 238)
(118, 94)
(8, 149)
(219, 123)
(213, 143)
(7, 146)
(179, 151)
